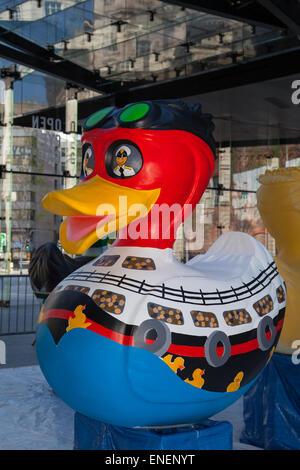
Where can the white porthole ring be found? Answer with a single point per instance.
(210, 349)
(263, 342)
(163, 336)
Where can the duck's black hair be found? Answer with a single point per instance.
(49, 266)
(163, 115)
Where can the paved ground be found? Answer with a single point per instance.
(20, 350)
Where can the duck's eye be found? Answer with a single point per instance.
(88, 160)
(123, 159)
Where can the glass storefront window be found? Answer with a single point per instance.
(37, 156)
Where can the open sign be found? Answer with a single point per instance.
(48, 123)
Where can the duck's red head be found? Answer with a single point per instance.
(144, 169)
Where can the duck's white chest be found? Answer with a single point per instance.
(136, 284)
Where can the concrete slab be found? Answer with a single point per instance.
(19, 350)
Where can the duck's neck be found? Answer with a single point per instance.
(150, 232)
(125, 239)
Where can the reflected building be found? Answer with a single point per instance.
(36, 152)
(127, 44)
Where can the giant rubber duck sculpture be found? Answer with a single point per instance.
(278, 201)
(135, 338)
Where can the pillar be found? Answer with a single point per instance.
(272, 164)
(208, 201)
(224, 196)
(70, 163)
(6, 161)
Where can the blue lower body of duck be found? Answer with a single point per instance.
(196, 360)
(122, 385)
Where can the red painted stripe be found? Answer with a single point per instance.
(101, 330)
(188, 351)
(118, 337)
(180, 350)
(198, 351)
(57, 313)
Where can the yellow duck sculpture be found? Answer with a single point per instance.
(278, 201)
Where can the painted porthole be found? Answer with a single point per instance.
(214, 341)
(88, 161)
(162, 335)
(266, 333)
(123, 159)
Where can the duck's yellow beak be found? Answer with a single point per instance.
(96, 208)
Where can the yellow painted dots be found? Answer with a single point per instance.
(109, 301)
(165, 314)
(134, 262)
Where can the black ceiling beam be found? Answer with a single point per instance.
(250, 12)
(286, 11)
(264, 68)
(24, 44)
(83, 78)
(46, 61)
(34, 56)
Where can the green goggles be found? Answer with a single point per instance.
(111, 116)
(158, 115)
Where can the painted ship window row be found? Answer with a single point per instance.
(114, 303)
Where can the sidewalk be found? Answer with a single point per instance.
(20, 350)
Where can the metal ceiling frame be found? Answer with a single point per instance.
(267, 67)
(81, 77)
(248, 11)
(30, 54)
(46, 61)
(285, 12)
